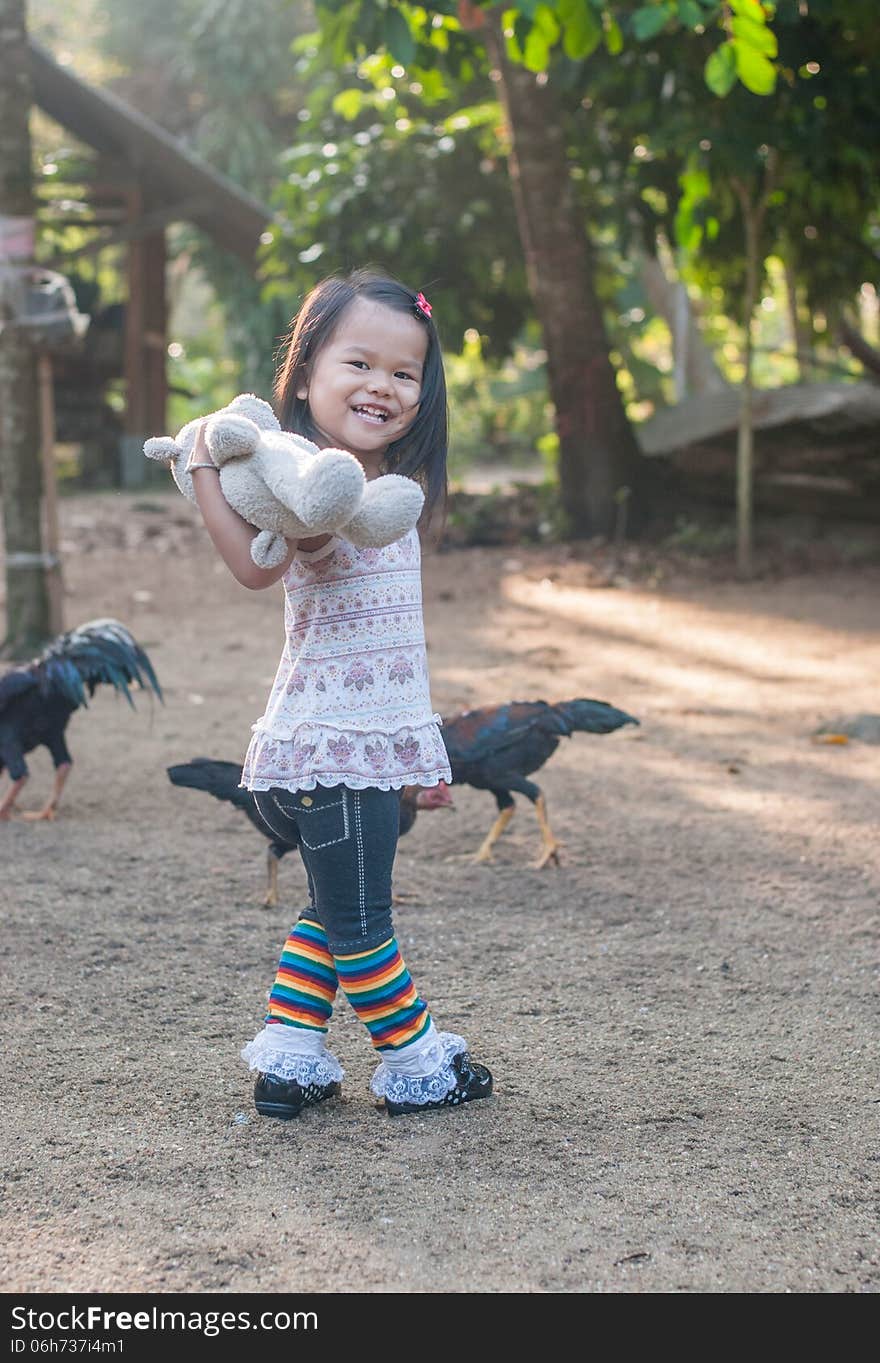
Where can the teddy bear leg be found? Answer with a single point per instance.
(391, 506)
(325, 494)
(230, 436)
(268, 549)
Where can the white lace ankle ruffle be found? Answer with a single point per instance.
(420, 1073)
(293, 1053)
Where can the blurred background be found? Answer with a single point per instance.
(649, 232)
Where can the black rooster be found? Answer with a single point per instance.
(496, 747)
(37, 700)
(221, 779)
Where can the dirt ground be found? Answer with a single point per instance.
(681, 1018)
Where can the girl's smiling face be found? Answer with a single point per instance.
(364, 386)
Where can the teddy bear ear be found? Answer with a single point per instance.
(163, 448)
(256, 410)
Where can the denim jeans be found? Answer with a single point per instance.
(347, 840)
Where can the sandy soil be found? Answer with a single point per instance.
(681, 1018)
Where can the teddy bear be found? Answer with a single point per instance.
(286, 487)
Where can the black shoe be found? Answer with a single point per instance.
(474, 1081)
(285, 1098)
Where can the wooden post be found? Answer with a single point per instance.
(146, 323)
(51, 534)
(135, 388)
(155, 341)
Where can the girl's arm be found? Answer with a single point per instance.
(231, 534)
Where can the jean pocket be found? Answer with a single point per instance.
(323, 821)
(276, 817)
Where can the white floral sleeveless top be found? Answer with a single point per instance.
(350, 703)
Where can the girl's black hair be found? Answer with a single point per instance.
(421, 453)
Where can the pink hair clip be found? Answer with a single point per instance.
(423, 305)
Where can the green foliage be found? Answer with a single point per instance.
(701, 539)
(200, 381)
(581, 29)
(650, 20)
(658, 153)
(720, 70)
(499, 412)
(754, 69)
(604, 47)
(398, 158)
(537, 30)
(660, 94)
(824, 204)
(695, 186)
(377, 178)
(754, 35)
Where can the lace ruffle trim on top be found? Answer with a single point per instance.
(345, 778)
(322, 754)
(292, 1053)
(421, 1088)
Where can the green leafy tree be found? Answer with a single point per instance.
(531, 50)
(794, 174)
(387, 172)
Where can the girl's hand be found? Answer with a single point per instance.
(200, 455)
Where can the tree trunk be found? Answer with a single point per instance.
(701, 373)
(27, 600)
(599, 458)
(753, 209)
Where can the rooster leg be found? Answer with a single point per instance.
(484, 851)
(551, 843)
(50, 808)
(8, 803)
(271, 900)
(406, 897)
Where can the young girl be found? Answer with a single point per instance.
(349, 721)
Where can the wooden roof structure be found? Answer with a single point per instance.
(829, 410)
(147, 180)
(172, 177)
(817, 448)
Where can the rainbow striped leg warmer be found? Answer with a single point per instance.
(378, 986)
(416, 1059)
(305, 982)
(292, 1044)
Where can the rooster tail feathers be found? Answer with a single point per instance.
(98, 652)
(61, 676)
(220, 779)
(146, 666)
(592, 716)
